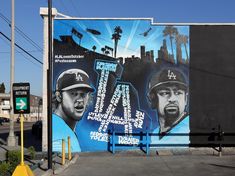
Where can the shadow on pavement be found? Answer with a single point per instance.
(223, 166)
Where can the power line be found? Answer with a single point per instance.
(31, 51)
(22, 49)
(21, 33)
(5, 42)
(4, 39)
(21, 53)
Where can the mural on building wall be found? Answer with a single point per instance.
(122, 75)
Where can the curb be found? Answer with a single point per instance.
(59, 168)
(48, 173)
(67, 164)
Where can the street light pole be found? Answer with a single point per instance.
(39, 104)
(49, 85)
(11, 140)
(38, 109)
(46, 117)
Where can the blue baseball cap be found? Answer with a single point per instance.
(73, 78)
(167, 76)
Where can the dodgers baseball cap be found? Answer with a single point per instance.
(73, 78)
(167, 76)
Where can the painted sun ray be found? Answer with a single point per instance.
(156, 34)
(108, 28)
(133, 31)
(84, 27)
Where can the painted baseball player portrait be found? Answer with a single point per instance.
(168, 95)
(73, 89)
(72, 95)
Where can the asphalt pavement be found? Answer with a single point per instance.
(29, 138)
(5, 127)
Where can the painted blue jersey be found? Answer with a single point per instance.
(182, 127)
(60, 130)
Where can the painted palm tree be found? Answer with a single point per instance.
(116, 36)
(103, 50)
(178, 41)
(106, 52)
(185, 41)
(94, 48)
(172, 32)
(2, 88)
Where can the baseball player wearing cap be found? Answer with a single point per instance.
(168, 94)
(73, 90)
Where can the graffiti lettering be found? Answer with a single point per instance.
(99, 136)
(128, 140)
(121, 96)
(139, 119)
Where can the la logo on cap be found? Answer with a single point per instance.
(79, 77)
(171, 75)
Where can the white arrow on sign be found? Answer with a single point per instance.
(21, 104)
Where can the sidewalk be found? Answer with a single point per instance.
(165, 152)
(57, 167)
(91, 160)
(172, 162)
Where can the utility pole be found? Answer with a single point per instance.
(45, 105)
(49, 90)
(11, 140)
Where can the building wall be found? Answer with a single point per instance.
(35, 107)
(208, 70)
(212, 81)
(125, 95)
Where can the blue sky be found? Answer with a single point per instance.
(28, 20)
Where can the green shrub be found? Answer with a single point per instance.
(32, 152)
(4, 169)
(13, 158)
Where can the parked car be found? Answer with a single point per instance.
(4, 119)
(1, 121)
(37, 129)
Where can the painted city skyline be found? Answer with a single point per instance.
(99, 36)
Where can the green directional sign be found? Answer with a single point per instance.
(21, 101)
